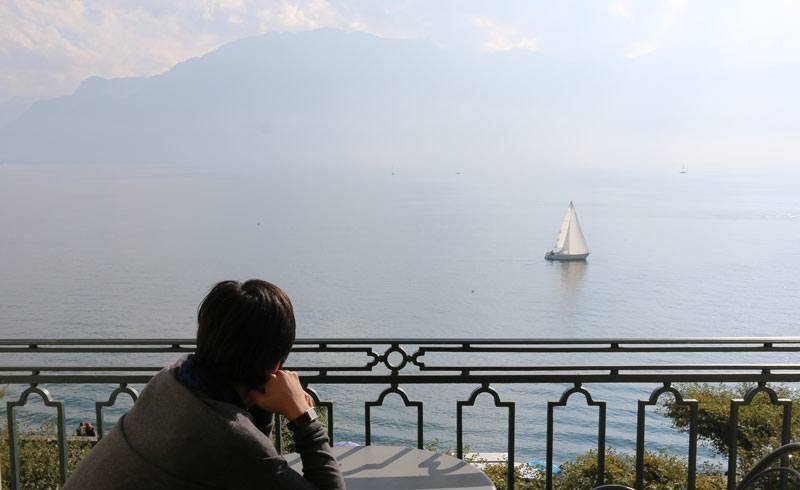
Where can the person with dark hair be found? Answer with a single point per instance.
(207, 420)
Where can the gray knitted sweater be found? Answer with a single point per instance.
(173, 438)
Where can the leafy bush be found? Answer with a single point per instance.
(38, 457)
(497, 473)
(287, 438)
(760, 423)
(661, 472)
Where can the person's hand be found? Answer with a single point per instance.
(283, 394)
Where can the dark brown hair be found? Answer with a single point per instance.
(244, 330)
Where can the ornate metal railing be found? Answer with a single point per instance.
(397, 363)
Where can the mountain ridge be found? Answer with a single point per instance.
(226, 92)
(331, 96)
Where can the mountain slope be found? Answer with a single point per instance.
(322, 95)
(332, 97)
(14, 107)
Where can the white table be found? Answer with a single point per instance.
(392, 467)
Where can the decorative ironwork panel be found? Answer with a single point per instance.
(601, 432)
(485, 388)
(112, 399)
(395, 349)
(733, 425)
(640, 426)
(12, 433)
(439, 362)
(379, 402)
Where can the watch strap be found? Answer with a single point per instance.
(309, 416)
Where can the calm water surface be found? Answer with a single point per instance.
(122, 251)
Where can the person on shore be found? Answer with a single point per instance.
(206, 421)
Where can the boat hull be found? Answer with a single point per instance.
(566, 258)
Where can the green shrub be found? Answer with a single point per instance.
(760, 423)
(38, 457)
(287, 438)
(661, 472)
(497, 473)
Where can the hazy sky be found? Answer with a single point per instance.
(48, 46)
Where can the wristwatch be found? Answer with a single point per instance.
(303, 420)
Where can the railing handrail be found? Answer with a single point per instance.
(396, 362)
(423, 340)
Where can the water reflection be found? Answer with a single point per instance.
(571, 279)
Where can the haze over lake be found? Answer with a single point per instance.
(398, 188)
(121, 251)
(129, 251)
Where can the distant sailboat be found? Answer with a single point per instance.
(570, 244)
(685, 169)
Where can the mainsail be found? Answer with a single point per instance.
(570, 239)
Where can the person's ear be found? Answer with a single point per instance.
(278, 366)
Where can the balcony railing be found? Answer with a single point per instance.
(392, 364)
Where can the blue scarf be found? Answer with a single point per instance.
(199, 380)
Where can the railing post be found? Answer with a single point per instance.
(640, 431)
(640, 446)
(733, 425)
(112, 399)
(486, 388)
(13, 436)
(13, 450)
(278, 428)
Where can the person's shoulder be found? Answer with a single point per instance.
(165, 380)
(163, 403)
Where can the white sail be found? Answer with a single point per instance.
(563, 232)
(570, 240)
(576, 243)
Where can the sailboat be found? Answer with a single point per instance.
(570, 243)
(685, 169)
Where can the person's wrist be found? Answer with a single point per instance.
(296, 411)
(303, 420)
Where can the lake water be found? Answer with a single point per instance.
(125, 251)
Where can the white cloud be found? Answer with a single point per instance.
(299, 16)
(639, 49)
(47, 47)
(619, 8)
(657, 27)
(358, 25)
(294, 18)
(499, 37)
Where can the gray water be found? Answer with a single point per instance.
(127, 251)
